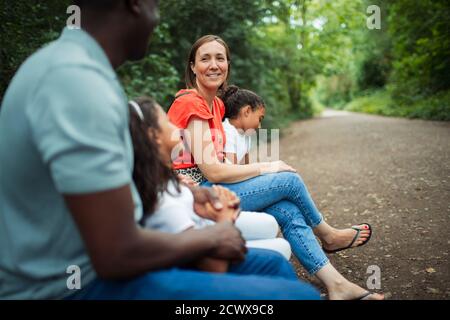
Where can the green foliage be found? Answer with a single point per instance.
(407, 61)
(26, 26)
(233, 20)
(380, 102)
(435, 107)
(373, 59)
(421, 50)
(297, 54)
(375, 102)
(335, 91)
(153, 76)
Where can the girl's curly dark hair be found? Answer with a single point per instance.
(150, 174)
(235, 98)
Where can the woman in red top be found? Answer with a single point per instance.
(189, 105)
(272, 187)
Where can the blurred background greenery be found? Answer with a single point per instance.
(299, 55)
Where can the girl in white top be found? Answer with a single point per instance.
(168, 204)
(238, 143)
(244, 111)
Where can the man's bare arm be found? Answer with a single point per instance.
(119, 248)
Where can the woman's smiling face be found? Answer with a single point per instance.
(211, 65)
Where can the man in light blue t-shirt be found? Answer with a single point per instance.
(63, 131)
(68, 204)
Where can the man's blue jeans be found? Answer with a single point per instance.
(285, 196)
(264, 274)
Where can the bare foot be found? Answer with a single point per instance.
(341, 238)
(351, 291)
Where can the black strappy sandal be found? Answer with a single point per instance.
(358, 231)
(361, 297)
(324, 296)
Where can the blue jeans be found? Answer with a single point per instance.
(285, 196)
(264, 274)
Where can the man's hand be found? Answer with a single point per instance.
(230, 244)
(119, 249)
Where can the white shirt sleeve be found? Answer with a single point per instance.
(231, 137)
(174, 213)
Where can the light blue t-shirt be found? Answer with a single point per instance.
(63, 130)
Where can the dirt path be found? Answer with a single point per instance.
(393, 173)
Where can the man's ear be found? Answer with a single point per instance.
(135, 6)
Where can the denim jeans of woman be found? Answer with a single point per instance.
(285, 196)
